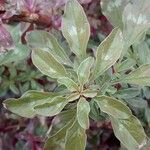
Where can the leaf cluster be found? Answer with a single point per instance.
(85, 79)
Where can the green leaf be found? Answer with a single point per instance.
(113, 107)
(69, 83)
(24, 106)
(44, 40)
(136, 21)
(147, 115)
(57, 141)
(61, 120)
(18, 53)
(125, 65)
(146, 93)
(137, 102)
(47, 64)
(14, 89)
(60, 125)
(140, 76)
(127, 93)
(95, 112)
(75, 138)
(51, 108)
(111, 90)
(143, 51)
(15, 32)
(113, 10)
(83, 110)
(108, 52)
(75, 28)
(130, 132)
(147, 146)
(83, 71)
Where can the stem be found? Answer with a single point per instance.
(42, 20)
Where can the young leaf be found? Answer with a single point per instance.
(130, 132)
(136, 21)
(69, 83)
(75, 138)
(51, 108)
(89, 93)
(113, 10)
(24, 106)
(47, 64)
(140, 76)
(108, 52)
(44, 40)
(113, 107)
(73, 97)
(83, 110)
(75, 28)
(84, 70)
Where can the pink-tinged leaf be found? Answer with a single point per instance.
(2, 2)
(10, 8)
(34, 6)
(85, 1)
(6, 40)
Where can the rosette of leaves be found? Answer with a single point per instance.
(84, 82)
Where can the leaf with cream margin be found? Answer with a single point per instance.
(113, 10)
(57, 141)
(136, 19)
(60, 125)
(89, 93)
(108, 52)
(69, 83)
(62, 119)
(75, 28)
(73, 96)
(84, 69)
(130, 132)
(75, 138)
(53, 108)
(113, 107)
(83, 110)
(47, 64)
(24, 106)
(44, 40)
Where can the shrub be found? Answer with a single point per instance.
(87, 81)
